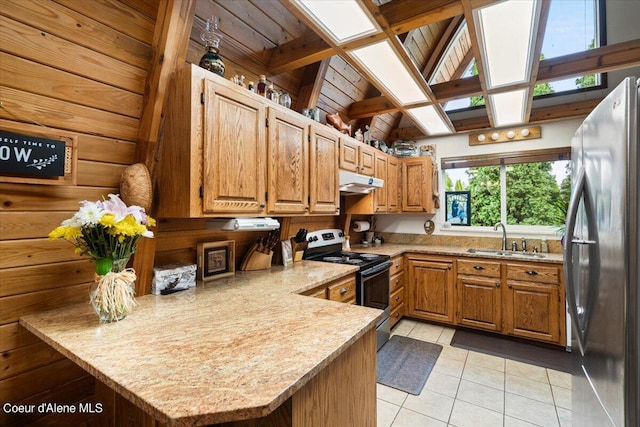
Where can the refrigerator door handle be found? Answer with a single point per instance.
(580, 315)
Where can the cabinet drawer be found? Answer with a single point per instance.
(533, 273)
(396, 282)
(343, 291)
(397, 266)
(396, 299)
(479, 267)
(317, 292)
(396, 315)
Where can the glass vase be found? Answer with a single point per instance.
(112, 294)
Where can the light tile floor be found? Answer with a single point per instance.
(473, 389)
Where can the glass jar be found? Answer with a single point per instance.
(285, 99)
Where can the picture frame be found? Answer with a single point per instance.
(216, 260)
(458, 207)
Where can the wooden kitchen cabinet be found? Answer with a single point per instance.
(342, 289)
(213, 159)
(478, 295)
(357, 157)
(397, 290)
(392, 184)
(431, 288)
(288, 165)
(228, 152)
(324, 182)
(380, 171)
(416, 185)
(534, 302)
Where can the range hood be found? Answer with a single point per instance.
(352, 183)
(243, 224)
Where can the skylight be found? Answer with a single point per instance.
(343, 20)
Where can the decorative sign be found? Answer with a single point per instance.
(31, 155)
(458, 207)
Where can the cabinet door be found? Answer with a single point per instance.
(431, 287)
(531, 311)
(324, 189)
(416, 185)
(349, 155)
(288, 169)
(380, 194)
(367, 157)
(479, 302)
(393, 184)
(233, 150)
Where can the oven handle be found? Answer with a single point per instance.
(376, 268)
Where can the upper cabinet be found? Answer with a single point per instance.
(226, 152)
(357, 157)
(416, 185)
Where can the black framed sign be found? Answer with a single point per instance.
(458, 207)
(216, 260)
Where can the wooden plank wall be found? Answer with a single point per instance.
(67, 68)
(79, 68)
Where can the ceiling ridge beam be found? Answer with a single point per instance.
(299, 53)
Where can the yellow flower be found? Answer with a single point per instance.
(66, 232)
(128, 227)
(108, 220)
(151, 221)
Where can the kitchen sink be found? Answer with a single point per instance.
(505, 253)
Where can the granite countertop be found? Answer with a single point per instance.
(394, 249)
(232, 349)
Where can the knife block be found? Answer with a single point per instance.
(298, 250)
(255, 260)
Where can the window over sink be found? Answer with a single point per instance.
(523, 189)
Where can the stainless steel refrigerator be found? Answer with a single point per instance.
(601, 263)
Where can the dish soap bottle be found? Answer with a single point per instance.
(345, 245)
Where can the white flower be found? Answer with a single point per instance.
(88, 214)
(148, 233)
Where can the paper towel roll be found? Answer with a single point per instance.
(360, 225)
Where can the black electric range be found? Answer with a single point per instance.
(372, 278)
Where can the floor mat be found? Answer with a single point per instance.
(513, 349)
(405, 363)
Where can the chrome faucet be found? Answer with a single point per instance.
(504, 235)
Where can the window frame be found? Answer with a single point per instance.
(503, 160)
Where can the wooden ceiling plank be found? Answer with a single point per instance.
(170, 42)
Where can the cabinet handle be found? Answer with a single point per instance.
(397, 298)
(262, 205)
(510, 285)
(343, 291)
(532, 272)
(397, 315)
(448, 267)
(306, 208)
(398, 265)
(397, 281)
(478, 267)
(497, 284)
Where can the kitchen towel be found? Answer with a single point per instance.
(361, 226)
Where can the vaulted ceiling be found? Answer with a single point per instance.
(274, 38)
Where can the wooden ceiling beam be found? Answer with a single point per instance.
(599, 60)
(567, 110)
(299, 53)
(311, 85)
(170, 43)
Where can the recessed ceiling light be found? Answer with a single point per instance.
(343, 20)
(384, 65)
(508, 107)
(429, 118)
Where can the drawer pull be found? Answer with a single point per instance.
(510, 285)
(478, 267)
(497, 284)
(343, 291)
(397, 298)
(397, 281)
(532, 272)
(397, 315)
(397, 265)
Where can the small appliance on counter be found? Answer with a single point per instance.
(372, 278)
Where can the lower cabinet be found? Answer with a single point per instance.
(478, 294)
(534, 303)
(343, 290)
(431, 288)
(397, 290)
(524, 299)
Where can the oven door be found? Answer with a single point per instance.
(374, 286)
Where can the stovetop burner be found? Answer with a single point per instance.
(332, 259)
(369, 256)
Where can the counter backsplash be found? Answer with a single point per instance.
(464, 241)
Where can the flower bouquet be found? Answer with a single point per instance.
(107, 231)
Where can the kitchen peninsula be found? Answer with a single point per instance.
(241, 348)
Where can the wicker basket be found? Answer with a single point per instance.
(135, 186)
